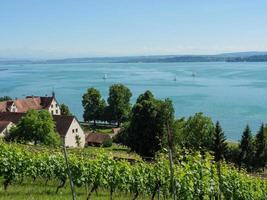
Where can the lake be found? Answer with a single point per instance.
(233, 93)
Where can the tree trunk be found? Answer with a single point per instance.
(136, 195)
(94, 188)
(111, 192)
(63, 181)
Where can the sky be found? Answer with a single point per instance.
(88, 28)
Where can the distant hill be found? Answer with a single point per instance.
(258, 58)
(252, 56)
(244, 54)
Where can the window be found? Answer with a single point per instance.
(57, 111)
(76, 130)
(73, 130)
(52, 106)
(56, 105)
(52, 112)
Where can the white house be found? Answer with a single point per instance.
(70, 130)
(5, 126)
(31, 102)
(67, 127)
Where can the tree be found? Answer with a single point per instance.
(64, 109)
(260, 158)
(147, 128)
(94, 105)
(219, 146)
(78, 140)
(119, 102)
(37, 127)
(197, 132)
(5, 98)
(246, 148)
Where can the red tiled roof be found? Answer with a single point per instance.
(3, 106)
(62, 122)
(97, 138)
(23, 105)
(3, 125)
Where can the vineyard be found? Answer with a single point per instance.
(195, 177)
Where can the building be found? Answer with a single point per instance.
(67, 127)
(97, 139)
(31, 102)
(5, 126)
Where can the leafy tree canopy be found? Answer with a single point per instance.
(147, 128)
(64, 110)
(93, 104)
(196, 132)
(119, 102)
(37, 127)
(5, 98)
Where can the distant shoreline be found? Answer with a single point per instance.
(227, 57)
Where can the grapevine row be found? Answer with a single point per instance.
(195, 177)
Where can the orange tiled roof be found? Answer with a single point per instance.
(23, 105)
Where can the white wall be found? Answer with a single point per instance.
(75, 129)
(6, 130)
(54, 108)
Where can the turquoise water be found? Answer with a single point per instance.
(233, 93)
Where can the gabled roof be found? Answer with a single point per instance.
(62, 122)
(97, 138)
(30, 102)
(3, 125)
(10, 116)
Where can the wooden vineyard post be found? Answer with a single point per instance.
(171, 162)
(69, 173)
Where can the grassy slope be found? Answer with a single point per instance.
(39, 191)
(115, 150)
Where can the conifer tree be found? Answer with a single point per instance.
(260, 158)
(246, 149)
(219, 143)
(219, 148)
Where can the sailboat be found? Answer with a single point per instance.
(193, 74)
(175, 78)
(105, 76)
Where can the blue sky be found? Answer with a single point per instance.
(77, 28)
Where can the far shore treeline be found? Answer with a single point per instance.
(144, 128)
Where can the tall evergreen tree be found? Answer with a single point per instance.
(246, 149)
(219, 147)
(219, 143)
(260, 158)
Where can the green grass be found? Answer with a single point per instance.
(98, 129)
(104, 130)
(38, 190)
